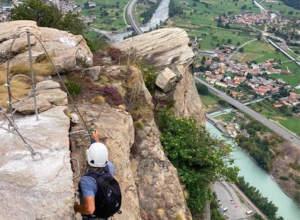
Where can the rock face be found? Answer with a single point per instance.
(41, 189)
(281, 168)
(48, 94)
(170, 47)
(66, 50)
(161, 47)
(149, 182)
(117, 132)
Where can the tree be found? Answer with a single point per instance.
(202, 89)
(203, 60)
(244, 7)
(48, 16)
(241, 50)
(258, 37)
(297, 196)
(238, 43)
(249, 76)
(198, 158)
(229, 41)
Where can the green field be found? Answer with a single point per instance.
(113, 20)
(292, 124)
(266, 109)
(226, 117)
(284, 9)
(199, 19)
(210, 102)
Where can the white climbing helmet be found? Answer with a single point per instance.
(74, 118)
(97, 155)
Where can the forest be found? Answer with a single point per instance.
(292, 3)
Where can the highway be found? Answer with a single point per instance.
(227, 197)
(273, 126)
(131, 16)
(285, 53)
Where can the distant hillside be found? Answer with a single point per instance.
(292, 3)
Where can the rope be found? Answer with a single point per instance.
(9, 78)
(13, 125)
(65, 87)
(10, 118)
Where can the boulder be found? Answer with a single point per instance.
(94, 72)
(48, 94)
(36, 188)
(67, 51)
(161, 47)
(166, 80)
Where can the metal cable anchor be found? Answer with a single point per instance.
(33, 154)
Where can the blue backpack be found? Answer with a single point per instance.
(108, 198)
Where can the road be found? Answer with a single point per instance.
(131, 16)
(231, 55)
(247, 200)
(228, 196)
(104, 33)
(285, 53)
(274, 127)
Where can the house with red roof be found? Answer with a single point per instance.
(285, 72)
(293, 101)
(208, 62)
(286, 104)
(295, 95)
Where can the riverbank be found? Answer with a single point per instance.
(283, 174)
(260, 179)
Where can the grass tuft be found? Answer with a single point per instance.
(179, 216)
(139, 125)
(98, 100)
(20, 87)
(160, 212)
(39, 69)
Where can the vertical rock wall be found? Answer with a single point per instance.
(40, 189)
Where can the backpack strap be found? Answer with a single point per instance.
(95, 175)
(106, 169)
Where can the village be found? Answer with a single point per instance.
(63, 6)
(230, 75)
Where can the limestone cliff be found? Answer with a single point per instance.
(149, 182)
(170, 48)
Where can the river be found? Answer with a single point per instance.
(260, 179)
(252, 173)
(161, 14)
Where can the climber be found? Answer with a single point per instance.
(97, 162)
(74, 120)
